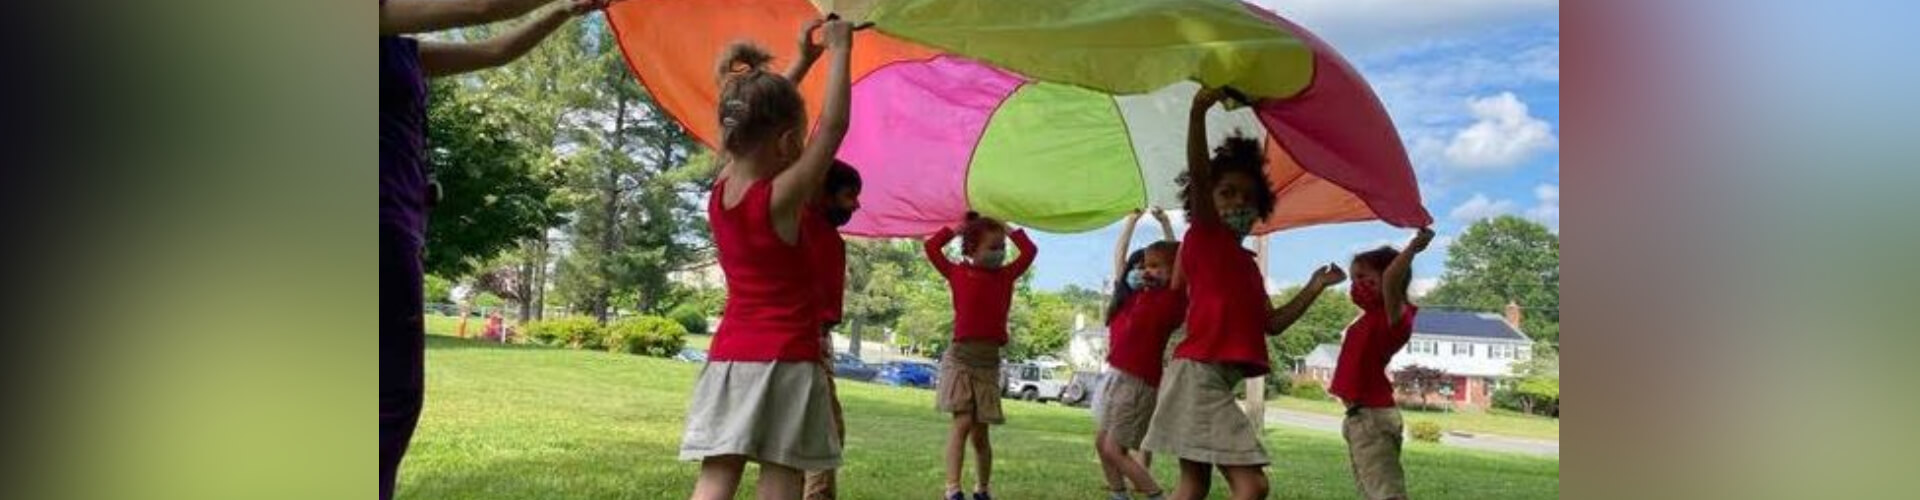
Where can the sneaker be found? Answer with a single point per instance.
(981, 495)
(956, 496)
(1119, 495)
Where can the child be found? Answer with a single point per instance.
(762, 396)
(969, 385)
(827, 252)
(1372, 426)
(1140, 319)
(1197, 418)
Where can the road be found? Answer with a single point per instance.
(1489, 442)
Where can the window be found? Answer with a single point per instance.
(1423, 347)
(1498, 351)
(1463, 349)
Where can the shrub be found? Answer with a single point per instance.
(575, 332)
(1311, 389)
(648, 335)
(690, 317)
(1425, 430)
(1280, 384)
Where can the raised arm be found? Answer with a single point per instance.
(808, 54)
(802, 180)
(399, 17)
(1027, 251)
(1120, 246)
(1166, 226)
(451, 58)
(1199, 172)
(936, 253)
(1399, 275)
(1284, 316)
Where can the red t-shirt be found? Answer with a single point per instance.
(827, 256)
(771, 314)
(1227, 311)
(1137, 336)
(981, 296)
(1360, 378)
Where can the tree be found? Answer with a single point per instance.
(1040, 323)
(879, 276)
(625, 173)
(1505, 259)
(532, 99)
(1323, 323)
(1536, 387)
(439, 290)
(1419, 380)
(1093, 303)
(494, 193)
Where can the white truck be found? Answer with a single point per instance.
(1043, 381)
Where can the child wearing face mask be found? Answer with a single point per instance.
(827, 255)
(1141, 318)
(1228, 317)
(1372, 426)
(969, 385)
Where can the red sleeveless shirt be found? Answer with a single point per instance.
(771, 313)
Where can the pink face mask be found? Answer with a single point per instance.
(1366, 295)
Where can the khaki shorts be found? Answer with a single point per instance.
(770, 412)
(1197, 418)
(969, 382)
(1373, 444)
(1126, 408)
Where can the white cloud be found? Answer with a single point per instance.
(1421, 286)
(1502, 134)
(1548, 210)
(1369, 26)
(1481, 207)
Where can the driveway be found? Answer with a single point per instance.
(1489, 442)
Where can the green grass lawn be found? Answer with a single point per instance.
(1492, 421)
(447, 325)
(507, 421)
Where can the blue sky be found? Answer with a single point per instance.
(1474, 88)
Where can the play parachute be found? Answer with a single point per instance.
(1061, 115)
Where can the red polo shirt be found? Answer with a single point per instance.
(1360, 378)
(1138, 334)
(1227, 310)
(981, 296)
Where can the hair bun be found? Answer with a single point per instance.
(972, 216)
(741, 58)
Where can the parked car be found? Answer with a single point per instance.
(848, 367)
(908, 373)
(1080, 389)
(1036, 382)
(691, 355)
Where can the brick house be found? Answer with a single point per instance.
(1478, 352)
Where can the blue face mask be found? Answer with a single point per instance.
(1137, 279)
(1239, 220)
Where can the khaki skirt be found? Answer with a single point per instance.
(969, 382)
(1125, 409)
(779, 413)
(1198, 419)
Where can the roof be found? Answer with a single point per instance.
(1323, 356)
(1465, 324)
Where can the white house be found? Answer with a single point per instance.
(1087, 349)
(1477, 351)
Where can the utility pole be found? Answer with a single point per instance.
(1256, 403)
